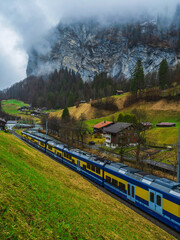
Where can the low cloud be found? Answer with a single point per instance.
(23, 24)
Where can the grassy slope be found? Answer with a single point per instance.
(165, 135)
(10, 106)
(40, 199)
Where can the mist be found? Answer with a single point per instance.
(23, 24)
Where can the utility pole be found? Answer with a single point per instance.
(46, 126)
(178, 166)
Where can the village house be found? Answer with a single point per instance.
(98, 128)
(119, 92)
(2, 124)
(147, 125)
(120, 133)
(165, 124)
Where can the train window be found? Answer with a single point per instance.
(129, 190)
(93, 168)
(73, 162)
(114, 182)
(49, 147)
(88, 166)
(58, 154)
(151, 197)
(122, 187)
(98, 170)
(41, 144)
(108, 179)
(158, 200)
(132, 191)
(84, 167)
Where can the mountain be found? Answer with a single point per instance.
(90, 47)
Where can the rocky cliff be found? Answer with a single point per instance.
(91, 48)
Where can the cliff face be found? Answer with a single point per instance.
(90, 49)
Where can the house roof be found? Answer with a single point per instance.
(2, 120)
(102, 124)
(146, 123)
(165, 124)
(119, 91)
(117, 127)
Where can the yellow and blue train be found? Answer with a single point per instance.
(159, 197)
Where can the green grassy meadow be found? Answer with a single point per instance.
(41, 199)
(10, 106)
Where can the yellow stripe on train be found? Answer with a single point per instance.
(142, 193)
(171, 207)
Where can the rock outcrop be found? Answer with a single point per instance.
(91, 48)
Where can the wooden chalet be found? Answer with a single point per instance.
(119, 92)
(2, 124)
(120, 133)
(98, 128)
(165, 124)
(147, 125)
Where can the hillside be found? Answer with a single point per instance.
(157, 111)
(41, 199)
(11, 106)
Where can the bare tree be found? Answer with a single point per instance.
(140, 130)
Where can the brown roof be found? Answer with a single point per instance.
(102, 124)
(117, 127)
(165, 124)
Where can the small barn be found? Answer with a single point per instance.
(2, 124)
(165, 124)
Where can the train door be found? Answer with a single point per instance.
(131, 192)
(152, 196)
(155, 201)
(78, 165)
(159, 203)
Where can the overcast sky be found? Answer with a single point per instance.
(23, 22)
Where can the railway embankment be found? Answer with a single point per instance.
(41, 199)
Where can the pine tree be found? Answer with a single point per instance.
(137, 81)
(163, 73)
(65, 114)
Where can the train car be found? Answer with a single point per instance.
(159, 197)
(35, 139)
(83, 162)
